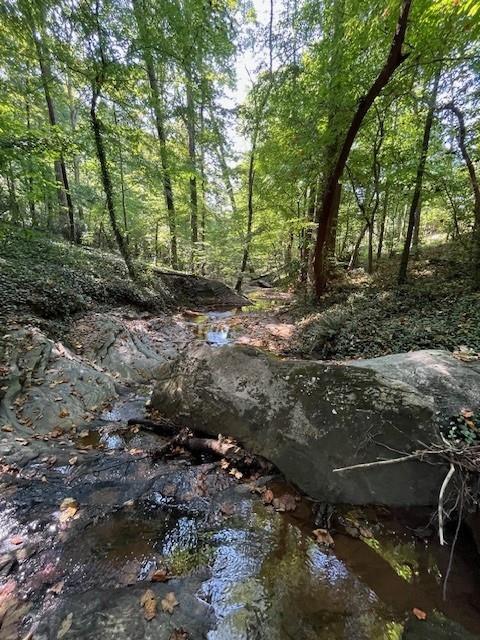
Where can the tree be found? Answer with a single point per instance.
(331, 195)
(414, 214)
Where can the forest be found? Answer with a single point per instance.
(239, 319)
(229, 138)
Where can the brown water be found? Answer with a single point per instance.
(265, 575)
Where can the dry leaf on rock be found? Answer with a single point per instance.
(64, 413)
(267, 497)
(286, 502)
(68, 508)
(160, 575)
(56, 588)
(419, 614)
(323, 537)
(16, 540)
(179, 634)
(73, 460)
(169, 602)
(65, 626)
(149, 603)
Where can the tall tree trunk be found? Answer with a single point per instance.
(192, 155)
(475, 187)
(414, 215)
(456, 228)
(64, 196)
(383, 221)
(353, 258)
(329, 206)
(13, 205)
(107, 181)
(157, 107)
(76, 158)
(122, 183)
(307, 237)
(221, 157)
(248, 237)
(31, 199)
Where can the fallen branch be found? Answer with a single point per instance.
(378, 463)
(188, 440)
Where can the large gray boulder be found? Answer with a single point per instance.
(452, 383)
(309, 417)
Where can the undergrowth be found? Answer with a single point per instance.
(52, 279)
(369, 316)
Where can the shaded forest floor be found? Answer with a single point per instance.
(368, 316)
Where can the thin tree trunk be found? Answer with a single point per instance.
(192, 155)
(475, 187)
(12, 196)
(122, 183)
(381, 232)
(107, 182)
(307, 237)
(76, 158)
(31, 200)
(414, 215)
(156, 104)
(456, 229)
(63, 190)
(248, 238)
(329, 206)
(221, 157)
(353, 258)
(156, 242)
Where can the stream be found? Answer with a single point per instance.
(239, 568)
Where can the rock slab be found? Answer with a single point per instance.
(310, 417)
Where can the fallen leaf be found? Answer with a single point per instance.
(7, 427)
(466, 413)
(169, 602)
(419, 614)
(64, 413)
(323, 537)
(73, 460)
(160, 575)
(227, 509)
(68, 508)
(149, 603)
(56, 588)
(68, 503)
(16, 540)
(365, 532)
(67, 514)
(286, 502)
(267, 496)
(65, 626)
(179, 634)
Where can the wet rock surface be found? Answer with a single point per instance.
(309, 418)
